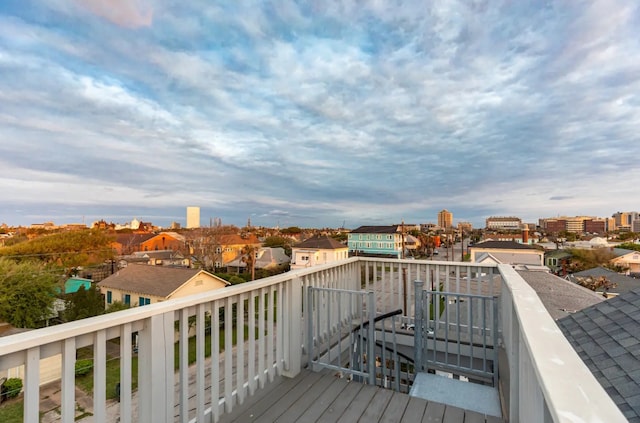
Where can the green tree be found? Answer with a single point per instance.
(83, 304)
(65, 249)
(27, 292)
(583, 259)
(117, 306)
(278, 241)
(630, 246)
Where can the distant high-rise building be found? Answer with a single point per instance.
(193, 217)
(445, 219)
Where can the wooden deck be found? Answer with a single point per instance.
(322, 397)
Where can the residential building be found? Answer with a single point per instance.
(376, 241)
(523, 237)
(164, 241)
(317, 250)
(125, 244)
(193, 217)
(267, 258)
(138, 285)
(557, 261)
(228, 247)
(629, 261)
(506, 252)
(445, 219)
(503, 223)
(73, 284)
(157, 258)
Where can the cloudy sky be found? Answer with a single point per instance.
(315, 113)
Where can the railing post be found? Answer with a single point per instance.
(418, 324)
(293, 328)
(371, 359)
(308, 314)
(156, 384)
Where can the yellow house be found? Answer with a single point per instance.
(228, 247)
(140, 284)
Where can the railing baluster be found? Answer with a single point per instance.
(68, 387)
(99, 377)
(270, 332)
(228, 355)
(200, 334)
(184, 365)
(240, 341)
(32, 386)
(126, 352)
(215, 360)
(261, 337)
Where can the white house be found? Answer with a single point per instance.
(317, 250)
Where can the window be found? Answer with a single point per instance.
(304, 258)
(126, 298)
(199, 282)
(109, 297)
(218, 265)
(218, 250)
(144, 301)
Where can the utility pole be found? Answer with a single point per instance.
(404, 276)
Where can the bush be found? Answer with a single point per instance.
(83, 367)
(12, 387)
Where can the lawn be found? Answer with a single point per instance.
(12, 411)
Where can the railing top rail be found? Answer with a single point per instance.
(340, 291)
(44, 336)
(460, 294)
(432, 262)
(570, 390)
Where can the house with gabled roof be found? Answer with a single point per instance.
(140, 284)
(267, 258)
(376, 241)
(630, 261)
(164, 241)
(317, 250)
(507, 252)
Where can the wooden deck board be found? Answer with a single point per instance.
(414, 411)
(395, 408)
(433, 413)
(323, 398)
(323, 402)
(304, 402)
(377, 405)
(358, 405)
(340, 404)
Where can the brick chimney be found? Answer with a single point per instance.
(525, 235)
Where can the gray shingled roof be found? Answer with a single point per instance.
(623, 283)
(158, 281)
(507, 245)
(321, 242)
(607, 338)
(560, 297)
(375, 230)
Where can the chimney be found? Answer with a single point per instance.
(525, 235)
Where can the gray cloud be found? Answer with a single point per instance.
(323, 111)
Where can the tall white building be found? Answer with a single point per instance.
(193, 217)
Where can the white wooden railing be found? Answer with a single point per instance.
(543, 366)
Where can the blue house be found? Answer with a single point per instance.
(376, 241)
(72, 285)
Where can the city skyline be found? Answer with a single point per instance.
(315, 114)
